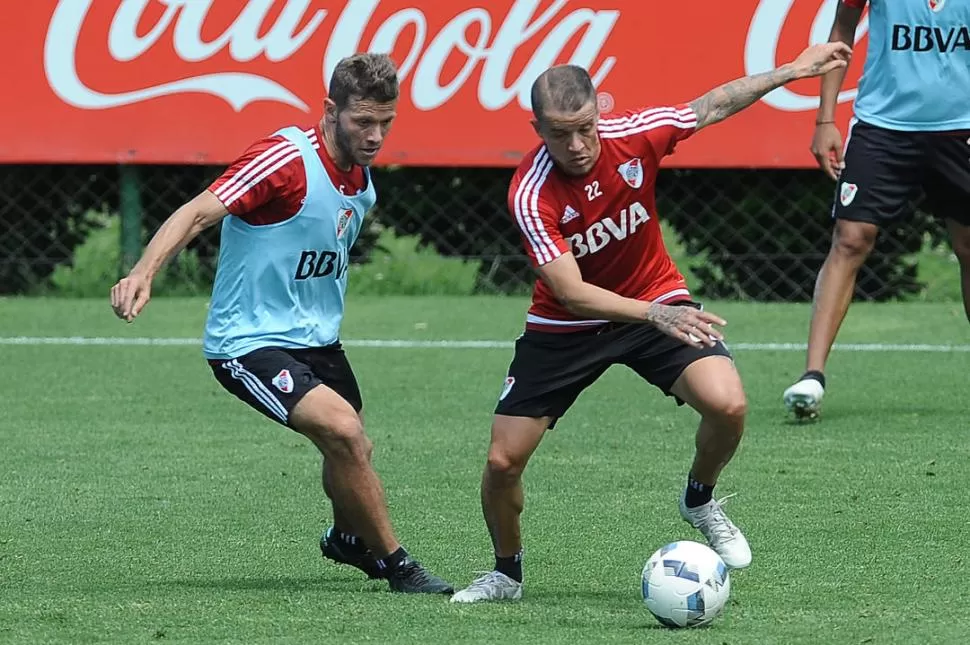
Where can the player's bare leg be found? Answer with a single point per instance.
(514, 439)
(960, 241)
(341, 542)
(341, 520)
(325, 418)
(852, 242)
(713, 388)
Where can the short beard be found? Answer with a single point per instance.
(342, 141)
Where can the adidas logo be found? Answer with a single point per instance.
(568, 215)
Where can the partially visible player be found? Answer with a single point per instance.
(291, 208)
(608, 294)
(910, 134)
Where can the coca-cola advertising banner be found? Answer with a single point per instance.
(196, 81)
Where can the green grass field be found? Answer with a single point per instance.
(141, 503)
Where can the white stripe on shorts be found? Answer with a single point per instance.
(256, 387)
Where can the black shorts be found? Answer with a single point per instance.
(886, 171)
(550, 370)
(273, 379)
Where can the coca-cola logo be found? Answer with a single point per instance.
(761, 48)
(248, 37)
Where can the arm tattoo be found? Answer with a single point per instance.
(731, 98)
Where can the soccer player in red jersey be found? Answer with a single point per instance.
(608, 293)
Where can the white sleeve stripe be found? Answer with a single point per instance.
(649, 126)
(685, 111)
(243, 172)
(551, 249)
(229, 199)
(520, 193)
(644, 119)
(254, 167)
(527, 209)
(644, 113)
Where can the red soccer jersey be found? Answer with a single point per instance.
(267, 183)
(607, 218)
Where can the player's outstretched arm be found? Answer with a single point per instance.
(130, 295)
(731, 98)
(581, 298)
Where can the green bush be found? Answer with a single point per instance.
(684, 261)
(395, 265)
(938, 271)
(403, 266)
(765, 234)
(96, 261)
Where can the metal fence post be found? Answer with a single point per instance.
(132, 216)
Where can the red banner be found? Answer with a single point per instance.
(195, 81)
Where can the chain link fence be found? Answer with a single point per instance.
(741, 234)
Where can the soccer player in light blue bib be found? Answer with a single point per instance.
(910, 136)
(291, 208)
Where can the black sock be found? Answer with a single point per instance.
(511, 566)
(391, 562)
(348, 540)
(814, 374)
(698, 494)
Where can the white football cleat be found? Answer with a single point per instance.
(490, 587)
(804, 399)
(724, 537)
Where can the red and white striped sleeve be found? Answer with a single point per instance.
(662, 127)
(533, 214)
(270, 169)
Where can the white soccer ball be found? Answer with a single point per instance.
(685, 584)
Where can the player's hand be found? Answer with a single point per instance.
(130, 295)
(827, 148)
(688, 325)
(819, 60)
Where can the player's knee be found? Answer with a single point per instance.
(730, 413)
(343, 438)
(504, 468)
(854, 241)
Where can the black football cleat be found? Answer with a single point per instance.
(411, 577)
(333, 549)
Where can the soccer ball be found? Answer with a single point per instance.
(685, 584)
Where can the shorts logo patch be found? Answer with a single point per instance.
(509, 382)
(847, 193)
(936, 5)
(283, 381)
